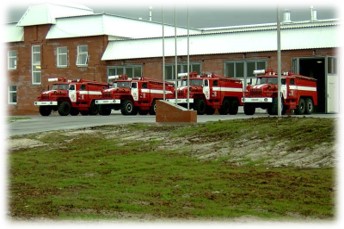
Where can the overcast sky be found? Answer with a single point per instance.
(200, 16)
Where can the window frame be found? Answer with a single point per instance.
(60, 54)
(182, 67)
(36, 65)
(12, 94)
(246, 64)
(123, 70)
(80, 53)
(12, 60)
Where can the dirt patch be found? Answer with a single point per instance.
(22, 143)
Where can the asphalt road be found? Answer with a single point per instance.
(36, 124)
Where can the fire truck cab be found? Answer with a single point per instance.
(70, 97)
(208, 92)
(138, 96)
(299, 93)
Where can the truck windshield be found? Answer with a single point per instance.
(267, 80)
(193, 82)
(125, 84)
(59, 87)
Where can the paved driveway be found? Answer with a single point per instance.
(36, 124)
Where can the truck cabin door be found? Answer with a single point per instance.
(206, 88)
(72, 93)
(135, 91)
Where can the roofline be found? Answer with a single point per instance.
(283, 27)
(271, 26)
(124, 17)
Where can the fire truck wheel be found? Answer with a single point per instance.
(273, 108)
(74, 111)
(83, 113)
(249, 109)
(152, 109)
(93, 110)
(210, 110)
(64, 108)
(128, 108)
(301, 107)
(224, 109)
(104, 110)
(141, 112)
(45, 110)
(234, 107)
(309, 106)
(200, 106)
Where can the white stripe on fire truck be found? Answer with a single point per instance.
(232, 89)
(302, 88)
(90, 92)
(155, 91)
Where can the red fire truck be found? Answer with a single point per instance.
(208, 92)
(299, 93)
(70, 97)
(132, 96)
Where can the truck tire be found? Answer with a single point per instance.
(74, 111)
(200, 106)
(309, 108)
(152, 109)
(210, 110)
(233, 107)
(93, 110)
(64, 108)
(128, 108)
(300, 110)
(249, 109)
(273, 108)
(224, 109)
(104, 110)
(45, 110)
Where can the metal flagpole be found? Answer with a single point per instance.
(175, 56)
(188, 59)
(279, 100)
(163, 53)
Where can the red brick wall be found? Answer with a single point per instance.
(21, 77)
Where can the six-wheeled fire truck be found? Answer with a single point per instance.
(70, 97)
(132, 96)
(208, 92)
(298, 93)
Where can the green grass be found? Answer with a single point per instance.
(89, 177)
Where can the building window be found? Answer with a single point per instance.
(170, 69)
(129, 70)
(240, 68)
(36, 64)
(61, 57)
(12, 94)
(82, 55)
(12, 60)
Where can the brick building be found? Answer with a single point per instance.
(74, 42)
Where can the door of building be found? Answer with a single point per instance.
(313, 67)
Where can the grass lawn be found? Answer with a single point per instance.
(92, 176)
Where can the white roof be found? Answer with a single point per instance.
(47, 13)
(14, 33)
(104, 24)
(228, 42)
